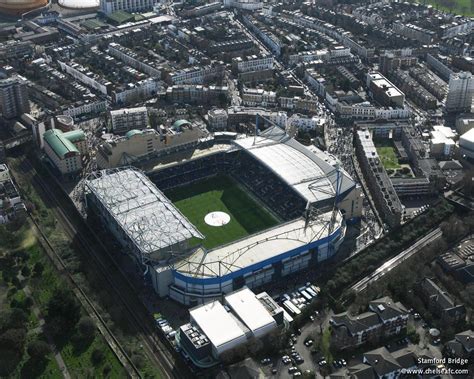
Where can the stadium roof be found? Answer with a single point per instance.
(257, 251)
(306, 172)
(217, 324)
(249, 309)
(150, 220)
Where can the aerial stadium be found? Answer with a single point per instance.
(256, 209)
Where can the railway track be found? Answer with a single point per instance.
(121, 288)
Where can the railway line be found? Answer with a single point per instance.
(170, 365)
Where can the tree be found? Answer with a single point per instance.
(63, 312)
(13, 339)
(86, 329)
(25, 271)
(38, 269)
(97, 357)
(38, 350)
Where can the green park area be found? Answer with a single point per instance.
(387, 154)
(36, 310)
(462, 7)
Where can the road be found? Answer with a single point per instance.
(113, 277)
(395, 261)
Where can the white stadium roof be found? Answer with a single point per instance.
(306, 172)
(257, 248)
(217, 324)
(150, 220)
(250, 310)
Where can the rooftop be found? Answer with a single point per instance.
(307, 173)
(150, 220)
(216, 323)
(258, 250)
(249, 309)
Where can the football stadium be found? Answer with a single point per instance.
(246, 211)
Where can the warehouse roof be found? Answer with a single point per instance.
(303, 170)
(216, 323)
(145, 214)
(249, 309)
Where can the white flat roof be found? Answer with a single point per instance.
(309, 175)
(148, 217)
(216, 323)
(467, 137)
(249, 309)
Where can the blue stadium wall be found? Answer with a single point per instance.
(191, 290)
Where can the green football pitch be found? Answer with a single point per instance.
(220, 193)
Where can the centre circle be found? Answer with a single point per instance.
(217, 218)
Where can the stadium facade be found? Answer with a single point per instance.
(311, 197)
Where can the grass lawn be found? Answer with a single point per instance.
(79, 362)
(223, 194)
(387, 155)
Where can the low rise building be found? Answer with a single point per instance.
(215, 329)
(217, 119)
(65, 150)
(462, 346)
(466, 144)
(253, 97)
(11, 204)
(384, 319)
(383, 91)
(441, 303)
(138, 145)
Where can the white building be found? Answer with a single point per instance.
(306, 123)
(217, 119)
(258, 97)
(460, 92)
(466, 144)
(249, 5)
(219, 326)
(243, 316)
(123, 120)
(111, 6)
(253, 63)
(251, 312)
(196, 75)
(442, 141)
(134, 92)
